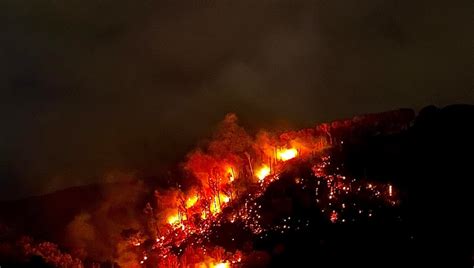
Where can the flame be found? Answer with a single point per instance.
(224, 198)
(217, 203)
(214, 265)
(191, 201)
(174, 219)
(230, 172)
(215, 207)
(263, 172)
(286, 154)
(220, 265)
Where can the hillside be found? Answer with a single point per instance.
(427, 161)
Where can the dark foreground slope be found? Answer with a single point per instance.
(432, 165)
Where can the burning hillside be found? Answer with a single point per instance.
(226, 188)
(242, 200)
(232, 177)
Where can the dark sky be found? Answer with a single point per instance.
(89, 88)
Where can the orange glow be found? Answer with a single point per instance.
(191, 201)
(263, 172)
(286, 154)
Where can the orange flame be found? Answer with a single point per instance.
(217, 203)
(286, 154)
(220, 265)
(224, 198)
(230, 172)
(263, 172)
(191, 201)
(174, 219)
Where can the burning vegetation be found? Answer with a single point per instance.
(234, 196)
(231, 176)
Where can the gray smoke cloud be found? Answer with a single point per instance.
(92, 87)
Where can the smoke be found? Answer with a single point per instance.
(81, 234)
(90, 87)
(95, 234)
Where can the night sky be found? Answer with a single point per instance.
(90, 89)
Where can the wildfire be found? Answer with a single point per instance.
(217, 203)
(174, 219)
(263, 172)
(224, 174)
(220, 265)
(188, 229)
(230, 172)
(191, 201)
(286, 154)
(188, 216)
(224, 198)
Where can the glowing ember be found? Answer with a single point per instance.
(334, 216)
(263, 172)
(287, 154)
(191, 201)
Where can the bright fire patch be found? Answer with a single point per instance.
(263, 172)
(287, 154)
(230, 172)
(191, 201)
(220, 265)
(173, 219)
(215, 206)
